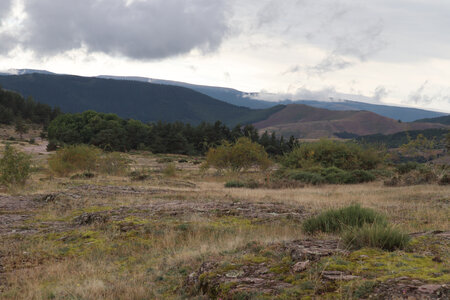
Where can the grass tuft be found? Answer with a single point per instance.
(375, 236)
(336, 220)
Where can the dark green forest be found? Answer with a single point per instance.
(142, 101)
(110, 132)
(397, 139)
(13, 106)
(442, 120)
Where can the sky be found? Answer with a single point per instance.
(379, 51)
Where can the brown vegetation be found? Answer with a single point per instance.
(303, 121)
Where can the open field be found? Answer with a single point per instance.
(186, 236)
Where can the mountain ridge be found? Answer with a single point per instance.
(130, 99)
(304, 121)
(238, 98)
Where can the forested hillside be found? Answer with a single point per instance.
(131, 99)
(13, 106)
(400, 138)
(110, 132)
(440, 120)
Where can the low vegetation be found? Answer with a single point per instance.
(337, 220)
(84, 158)
(15, 167)
(139, 225)
(375, 235)
(241, 156)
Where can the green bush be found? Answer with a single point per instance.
(326, 153)
(234, 184)
(336, 220)
(332, 175)
(359, 176)
(15, 167)
(250, 184)
(407, 167)
(240, 156)
(307, 177)
(375, 236)
(73, 159)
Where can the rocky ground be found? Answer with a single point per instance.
(187, 237)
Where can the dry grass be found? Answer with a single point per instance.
(151, 259)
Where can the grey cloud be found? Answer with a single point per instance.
(5, 7)
(141, 29)
(329, 93)
(422, 97)
(380, 93)
(330, 64)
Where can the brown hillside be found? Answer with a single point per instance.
(303, 121)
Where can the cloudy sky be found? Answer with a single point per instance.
(379, 51)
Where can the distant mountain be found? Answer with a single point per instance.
(405, 114)
(130, 99)
(304, 121)
(228, 95)
(441, 120)
(251, 100)
(24, 71)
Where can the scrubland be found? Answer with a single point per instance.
(166, 229)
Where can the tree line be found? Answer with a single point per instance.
(112, 133)
(14, 108)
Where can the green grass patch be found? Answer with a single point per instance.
(375, 236)
(336, 220)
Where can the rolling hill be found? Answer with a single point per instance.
(235, 97)
(249, 100)
(304, 121)
(130, 99)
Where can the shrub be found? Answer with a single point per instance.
(407, 167)
(251, 184)
(234, 184)
(334, 175)
(243, 155)
(84, 175)
(164, 160)
(15, 167)
(307, 177)
(335, 220)
(139, 175)
(326, 153)
(375, 236)
(113, 163)
(74, 158)
(52, 145)
(445, 180)
(359, 176)
(169, 170)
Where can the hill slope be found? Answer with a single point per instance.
(441, 120)
(235, 97)
(303, 121)
(130, 99)
(250, 100)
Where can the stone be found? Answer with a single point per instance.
(429, 288)
(301, 266)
